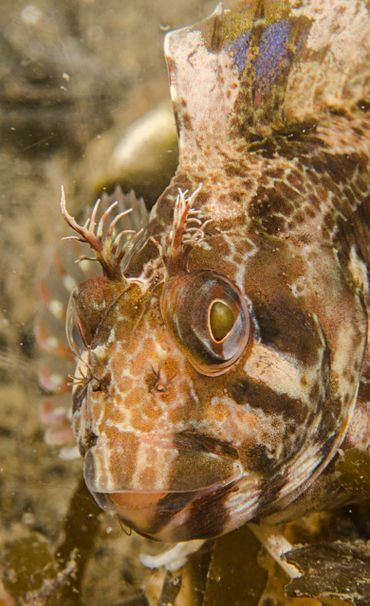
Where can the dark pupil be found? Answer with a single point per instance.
(221, 320)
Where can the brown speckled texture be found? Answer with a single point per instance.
(55, 118)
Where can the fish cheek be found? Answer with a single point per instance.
(280, 420)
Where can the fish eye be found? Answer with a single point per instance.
(209, 318)
(76, 337)
(87, 307)
(221, 320)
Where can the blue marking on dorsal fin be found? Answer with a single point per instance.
(238, 50)
(273, 50)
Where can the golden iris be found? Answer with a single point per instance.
(221, 320)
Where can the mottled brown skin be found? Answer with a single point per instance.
(181, 445)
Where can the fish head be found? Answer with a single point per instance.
(148, 355)
(199, 383)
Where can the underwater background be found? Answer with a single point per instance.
(84, 102)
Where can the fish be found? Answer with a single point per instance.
(222, 357)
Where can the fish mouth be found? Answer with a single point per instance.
(173, 515)
(178, 471)
(184, 462)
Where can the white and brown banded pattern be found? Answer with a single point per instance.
(278, 179)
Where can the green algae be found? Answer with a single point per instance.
(234, 575)
(36, 575)
(353, 471)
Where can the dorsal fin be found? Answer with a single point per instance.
(138, 216)
(265, 66)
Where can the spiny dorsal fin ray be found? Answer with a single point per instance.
(138, 216)
(264, 66)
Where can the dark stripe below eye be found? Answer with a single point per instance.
(193, 441)
(283, 325)
(257, 395)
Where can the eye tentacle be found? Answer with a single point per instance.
(116, 219)
(103, 219)
(83, 257)
(184, 215)
(106, 243)
(92, 220)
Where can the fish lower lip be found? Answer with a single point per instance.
(139, 509)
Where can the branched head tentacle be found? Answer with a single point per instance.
(187, 229)
(101, 235)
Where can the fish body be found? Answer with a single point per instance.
(222, 354)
